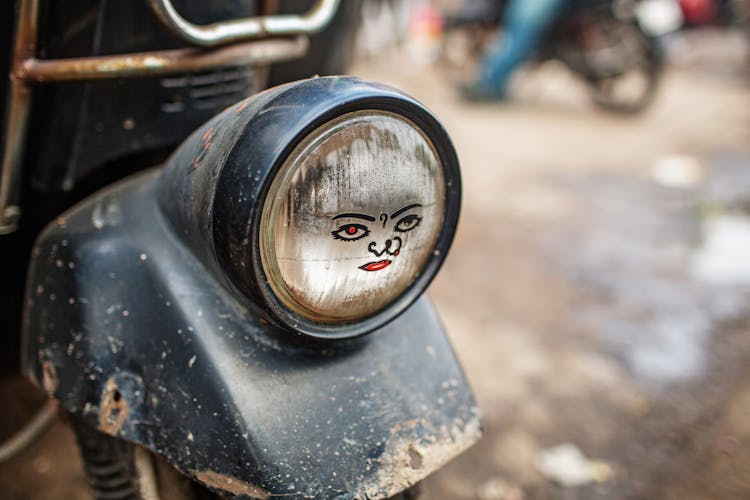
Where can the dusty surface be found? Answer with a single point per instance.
(230, 484)
(574, 293)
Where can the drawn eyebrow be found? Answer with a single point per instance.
(356, 216)
(407, 207)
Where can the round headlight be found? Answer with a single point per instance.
(330, 203)
(352, 216)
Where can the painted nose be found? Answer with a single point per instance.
(392, 247)
(372, 247)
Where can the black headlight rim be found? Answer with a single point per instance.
(243, 259)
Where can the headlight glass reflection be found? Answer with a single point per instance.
(352, 217)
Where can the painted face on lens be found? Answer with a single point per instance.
(352, 217)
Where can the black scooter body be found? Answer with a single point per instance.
(130, 329)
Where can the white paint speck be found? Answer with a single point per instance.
(192, 361)
(144, 256)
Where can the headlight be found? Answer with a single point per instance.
(334, 205)
(352, 216)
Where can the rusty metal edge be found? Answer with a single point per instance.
(160, 62)
(17, 119)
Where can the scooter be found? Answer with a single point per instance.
(224, 284)
(611, 45)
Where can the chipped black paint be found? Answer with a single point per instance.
(130, 325)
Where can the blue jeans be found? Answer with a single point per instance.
(524, 24)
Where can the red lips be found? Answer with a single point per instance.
(376, 266)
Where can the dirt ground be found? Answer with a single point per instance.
(571, 293)
(576, 293)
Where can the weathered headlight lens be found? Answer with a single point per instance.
(352, 216)
(326, 206)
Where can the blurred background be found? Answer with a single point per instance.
(597, 291)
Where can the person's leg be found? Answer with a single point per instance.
(524, 25)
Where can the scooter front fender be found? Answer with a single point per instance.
(128, 330)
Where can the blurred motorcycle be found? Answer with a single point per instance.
(611, 45)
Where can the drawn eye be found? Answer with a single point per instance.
(350, 232)
(408, 223)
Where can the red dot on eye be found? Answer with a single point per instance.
(352, 230)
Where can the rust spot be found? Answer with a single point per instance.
(49, 377)
(407, 459)
(113, 410)
(242, 106)
(231, 485)
(207, 137)
(404, 425)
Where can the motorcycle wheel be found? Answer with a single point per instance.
(119, 470)
(631, 85)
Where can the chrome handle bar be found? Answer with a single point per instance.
(236, 30)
